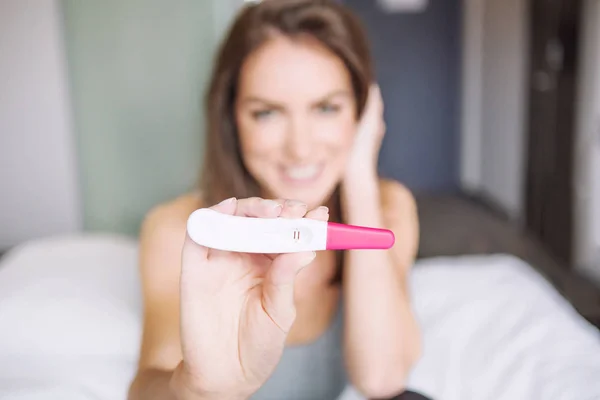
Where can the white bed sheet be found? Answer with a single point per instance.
(70, 310)
(493, 328)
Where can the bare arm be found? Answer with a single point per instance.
(199, 351)
(382, 338)
(161, 240)
(152, 384)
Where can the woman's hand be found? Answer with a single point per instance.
(362, 163)
(236, 309)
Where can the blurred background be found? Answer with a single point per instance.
(493, 121)
(492, 110)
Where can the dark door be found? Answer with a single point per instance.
(550, 191)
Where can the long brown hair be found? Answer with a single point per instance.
(330, 23)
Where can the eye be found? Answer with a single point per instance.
(262, 114)
(328, 108)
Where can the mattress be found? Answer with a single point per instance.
(70, 311)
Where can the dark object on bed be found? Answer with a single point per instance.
(458, 224)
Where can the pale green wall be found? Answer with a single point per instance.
(137, 71)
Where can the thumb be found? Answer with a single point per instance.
(194, 260)
(194, 255)
(278, 287)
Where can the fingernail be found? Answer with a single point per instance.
(324, 209)
(273, 204)
(227, 201)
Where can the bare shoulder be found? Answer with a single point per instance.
(161, 240)
(170, 217)
(396, 199)
(162, 234)
(401, 216)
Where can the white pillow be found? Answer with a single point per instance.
(71, 296)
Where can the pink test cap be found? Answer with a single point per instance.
(352, 237)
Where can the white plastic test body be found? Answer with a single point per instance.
(220, 231)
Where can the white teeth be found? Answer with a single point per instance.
(305, 172)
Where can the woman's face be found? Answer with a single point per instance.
(296, 119)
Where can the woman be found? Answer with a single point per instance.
(292, 114)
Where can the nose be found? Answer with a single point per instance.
(299, 139)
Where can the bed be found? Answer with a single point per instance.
(494, 328)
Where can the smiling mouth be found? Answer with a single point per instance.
(302, 174)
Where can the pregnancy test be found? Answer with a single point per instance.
(220, 231)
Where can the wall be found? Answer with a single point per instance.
(417, 59)
(494, 102)
(472, 71)
(138, 69)
(224, 12)
(494, 111)
(588, 146)
(37, 162)
(504, 104)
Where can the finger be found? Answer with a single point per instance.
(227, 206)
(319, 213)
(293, 209)
(257, 207)
(193, 256)
(192, 253)
(198, 276)
(278, 287)
(376, 99)
(197, 252)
